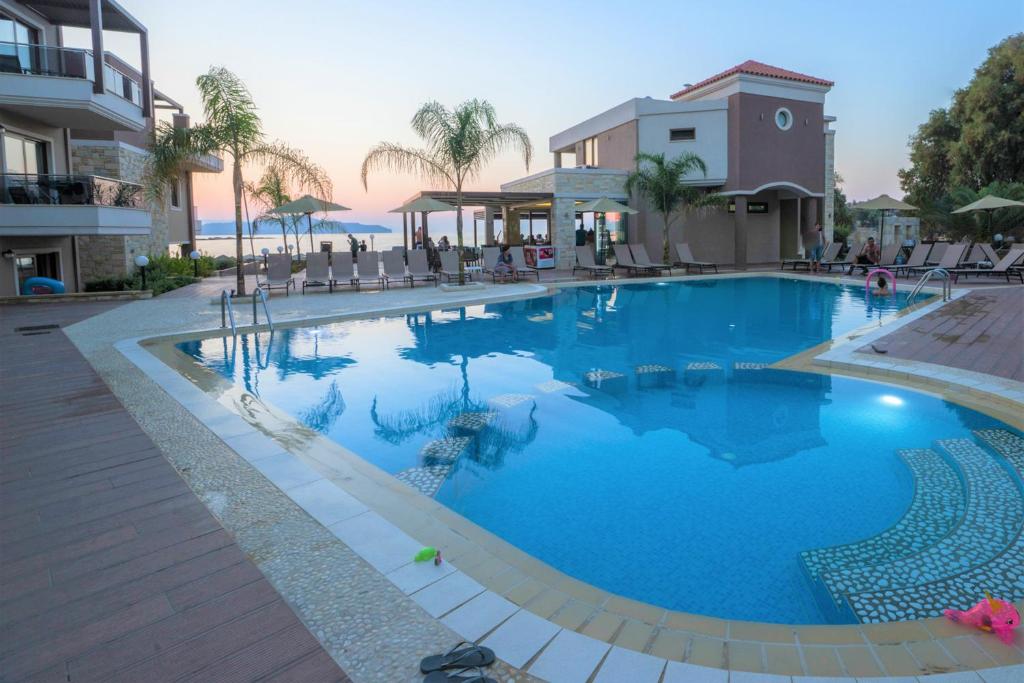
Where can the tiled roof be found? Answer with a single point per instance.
(755, 69)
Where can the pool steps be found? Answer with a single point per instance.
(982, 547)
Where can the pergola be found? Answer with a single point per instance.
(495, 205)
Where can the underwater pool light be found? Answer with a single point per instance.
(890, 400)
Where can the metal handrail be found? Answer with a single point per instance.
(266, 309)
(947, 286)
(225, 305)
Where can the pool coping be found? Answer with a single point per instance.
(493, 581)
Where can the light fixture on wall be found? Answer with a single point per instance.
(8, 253)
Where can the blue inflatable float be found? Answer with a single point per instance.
(42, 285)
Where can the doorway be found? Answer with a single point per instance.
(789, 228)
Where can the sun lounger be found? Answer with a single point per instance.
(936, 254)
(394, 268)
(343, 271)
(847, 260)
(519, 261)
(368, 270)
(624, 259)
(450, 265)
(318, 271)
(418, 268)
(918, 257)
(951, 258)
(490, 258)
(831, 251)
(889, 254)
(585, 262)
(1007, 266)
(279, 273)
(686, 259)
(641, 258)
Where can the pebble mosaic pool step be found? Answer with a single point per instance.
(472, 423)
(444, 451)
(606, 380)
(654, 375)
(938, 504)
(426, 480)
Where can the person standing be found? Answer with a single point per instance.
(353, 246)
(818, 248)
(362, 246)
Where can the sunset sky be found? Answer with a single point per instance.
(334, 78)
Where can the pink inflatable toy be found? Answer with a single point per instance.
(991, 615)
(880, 271)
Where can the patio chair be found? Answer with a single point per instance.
(1006, 267)
(279, 273)
(843, 263)
(889, 254)
(585, 262)
(831, 251)
(686, 259)
(418, 268)
(936, 254)
(951, 259)
(990, 254)
(343, 270)
(641, 258)
(450, 265)
(394, 268)
(624, 259)
(490, 258)
(368, 270)
(918, 257)
(318, 271)
(519, 261)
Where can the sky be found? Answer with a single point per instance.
(334, 78)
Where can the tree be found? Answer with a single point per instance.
(927, 179)
(458, 144)
(842, 217)
(233, 127)
(271, 191)
(660, 182)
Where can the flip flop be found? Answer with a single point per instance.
(469, 674)
(459, 657)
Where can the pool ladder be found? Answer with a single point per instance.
(227, 311)
(947, 286)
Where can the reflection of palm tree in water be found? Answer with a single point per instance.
(323, 415)
(438, 410)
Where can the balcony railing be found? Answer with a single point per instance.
(69, 190)
(66, 62)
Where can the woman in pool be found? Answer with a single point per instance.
(505, 265)
(882, 288)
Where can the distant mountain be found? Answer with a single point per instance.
(227, 228)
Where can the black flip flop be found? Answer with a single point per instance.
(469, 674)
(462, 656)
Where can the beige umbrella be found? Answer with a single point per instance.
(883, 203)
(308, 205)
(989, 203)
(604, 205)
(421, 205)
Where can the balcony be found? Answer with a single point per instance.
(55, 85)
(52, 205)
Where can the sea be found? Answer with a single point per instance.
(224, 245)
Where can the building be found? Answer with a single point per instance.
(75, 126)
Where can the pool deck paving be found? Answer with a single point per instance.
(322, 554)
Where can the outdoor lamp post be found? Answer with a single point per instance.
(194, 255)
(141, 261)
(266, 253)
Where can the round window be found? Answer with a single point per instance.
(783, 119)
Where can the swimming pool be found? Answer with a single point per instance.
(628, 435)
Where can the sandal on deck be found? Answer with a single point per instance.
(469, 674)
(459, 657)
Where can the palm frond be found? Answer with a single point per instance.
(230, 110)
(401, 159)
(291, 166)
(496, 139)
(170, 150)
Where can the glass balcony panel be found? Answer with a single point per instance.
(69, 190)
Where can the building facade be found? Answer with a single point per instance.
(767, 145)
(75, 127)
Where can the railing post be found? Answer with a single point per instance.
(96, 24)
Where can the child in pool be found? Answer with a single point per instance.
(882, 288)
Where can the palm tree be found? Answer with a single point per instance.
(458, 144)
(232, 127)
(270, 191)
(660, 182)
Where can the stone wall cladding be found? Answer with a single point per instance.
(828, 219)
(101, 256)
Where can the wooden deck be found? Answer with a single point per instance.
(111, 569)
(982, 331)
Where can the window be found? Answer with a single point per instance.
(176, 194)
(682, 134)
(20, 52)
(783, 119)
(24, 155)
(590, 152)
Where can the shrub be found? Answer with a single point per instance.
(110, 284)
(223, 262)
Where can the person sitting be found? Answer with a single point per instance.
(505, 264)
(869, 256)
(882, 287)
(443, 243)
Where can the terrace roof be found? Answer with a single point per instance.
(495, 198)
(76, 13)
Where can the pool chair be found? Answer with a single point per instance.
(686, 259)
(1007, 266)
(418, 268)
(519, 261)
(936, 254)
(831, 251)
(842, 263)
(888, 257)
(343, 271)
(951, 258)
(318, 271)
(490, 258)
(585, 262)
(394, 268)
(368, 270)
(279, 273)
(624, 259)
(918, 257)
(641, 258)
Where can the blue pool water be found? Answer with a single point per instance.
(696, 494)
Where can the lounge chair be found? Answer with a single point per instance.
(342, 269)
(686, 259)
(279, 273)
(1006, 266)
(831, 251)
(624, 259)
(936, 254)
(418, 268)
(847, 260)
(918, 257)
(318, 271)
(368, 270)
(641, 258)
(951, 258)
(585, 262)
(394, 268)
(889, 254)
(450, 265)
(519, 261)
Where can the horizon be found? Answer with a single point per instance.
(888, 76)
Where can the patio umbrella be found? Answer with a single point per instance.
(989, 203)
(308, 205)
(603, 205)
(422, 205)
(883, 203)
